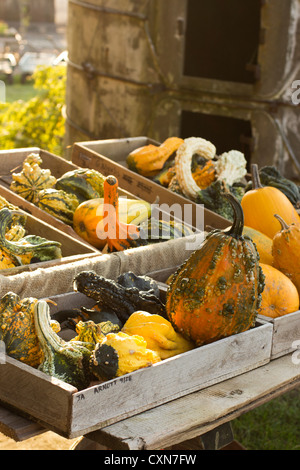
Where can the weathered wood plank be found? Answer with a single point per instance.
(16, 427)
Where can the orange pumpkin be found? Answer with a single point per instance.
(262, 202)
(280, 296)
(286, 250)
(263, 244)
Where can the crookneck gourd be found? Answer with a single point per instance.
(262, 202)
(123, 300)
(85, 183)
(65, 360)
(119, 354)
(217, 290)
(26, 250)
(119, 236)
(17, 329)
(31, 180)
(88, 219)
(150, 159)
(158, 333)
(58, 203)
(183, 163)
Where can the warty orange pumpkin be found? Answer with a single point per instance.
(262, 202)
(217, 290)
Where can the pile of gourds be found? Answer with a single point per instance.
(117, 336)
(236, 274)
(192, 168)
(274, 224)
(90, 203)
(17, 248)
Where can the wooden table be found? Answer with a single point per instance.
(186, 418)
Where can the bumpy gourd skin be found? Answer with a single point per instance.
(217, 291)
(17, 329)
(123, 300)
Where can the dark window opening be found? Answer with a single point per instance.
(226, 133)
(222, 39)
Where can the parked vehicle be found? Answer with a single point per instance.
(7, 66)
(30, 60)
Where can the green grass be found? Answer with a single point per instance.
(18, 91)
(272, 426)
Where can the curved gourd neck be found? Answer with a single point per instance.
(256, 184)
(237, 227)
(284, 225)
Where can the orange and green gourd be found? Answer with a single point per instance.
(150, 159)
(17, 329)
(31, 180)
(217, 291)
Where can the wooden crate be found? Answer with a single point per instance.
(11, 161)
(109, 157)
(286, 332)
(72, 249)
(72, 413)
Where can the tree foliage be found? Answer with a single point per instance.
(39, 122)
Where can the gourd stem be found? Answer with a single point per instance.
(284, 225)
(255, 177)
(237, 227)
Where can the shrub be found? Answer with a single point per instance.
(38, 122)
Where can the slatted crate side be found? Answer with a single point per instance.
(36, 395)
(286, 333)
(108, 157)
(72, 249)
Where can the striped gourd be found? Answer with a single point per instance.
(58, 203)
(85, 183)
(155, 230)
(31, 180)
